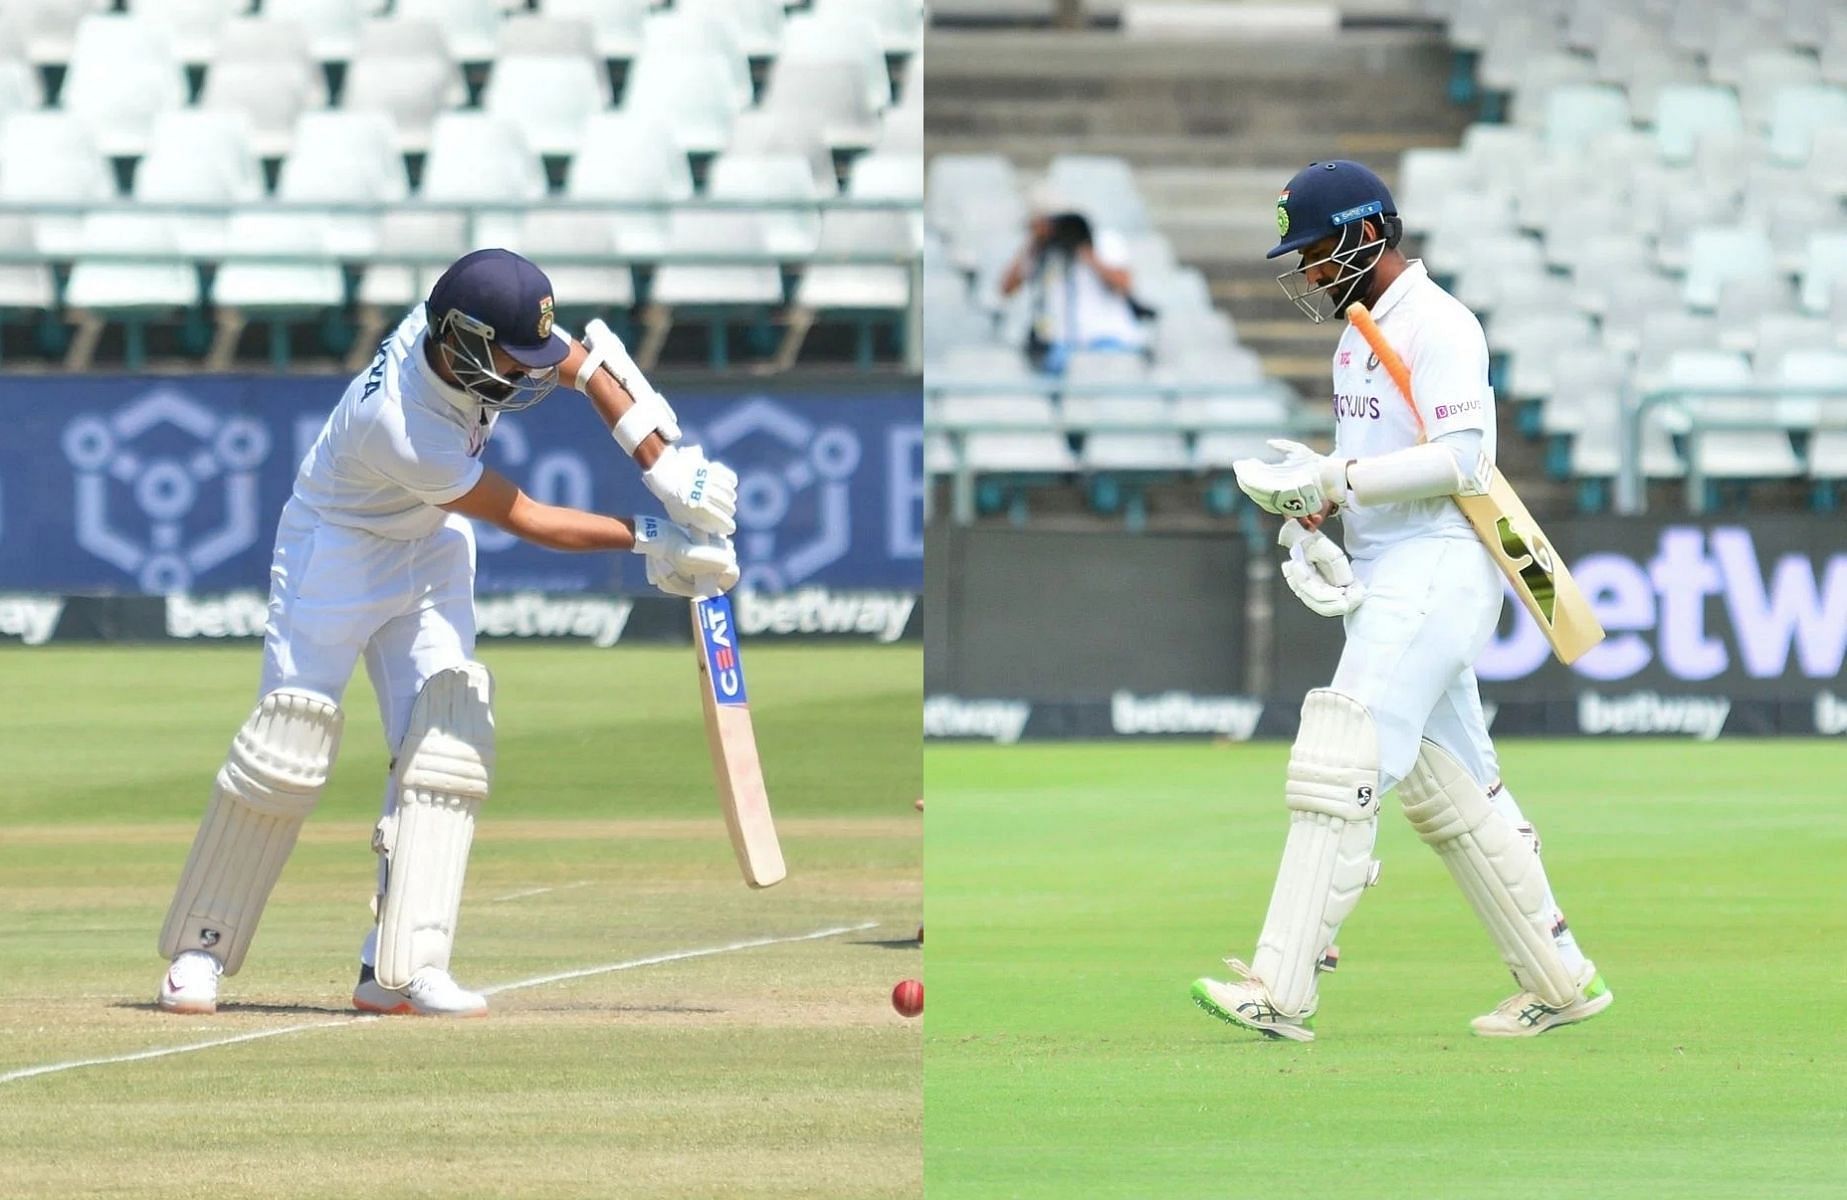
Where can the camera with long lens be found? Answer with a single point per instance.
(1070, 233)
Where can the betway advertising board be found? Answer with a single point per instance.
(596, 620)
(172, 484)
(1720, 627)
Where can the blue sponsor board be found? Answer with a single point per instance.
(718, 641)
(173, 484)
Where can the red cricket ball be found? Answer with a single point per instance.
(907, 998)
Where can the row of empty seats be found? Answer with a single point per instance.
(47, 31)
(829, 90)
(1664, 210)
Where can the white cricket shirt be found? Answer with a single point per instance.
(1442, 344)
(400, 442)
(1079, 309)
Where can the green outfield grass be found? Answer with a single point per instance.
(1075, 891)
(766, 1071)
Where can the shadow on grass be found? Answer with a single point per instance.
(235, 1007)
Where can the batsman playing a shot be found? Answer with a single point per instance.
(1413, 450)
(375, 556)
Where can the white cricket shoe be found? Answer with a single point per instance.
(191, 985)
(432, 992)
(1526, 1015)
(1246, 1001)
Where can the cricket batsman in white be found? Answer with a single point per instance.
(375, 555)
(1419, 598)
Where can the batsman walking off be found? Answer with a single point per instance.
(1419, 596)
(375, 556)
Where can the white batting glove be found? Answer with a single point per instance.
(1303, 484)
(1318, 572)
(699, 494)
(685, 562)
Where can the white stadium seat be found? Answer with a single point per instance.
(615, 24)
(1685, 111)
(123, 73)
(888, 232)
(67, 168)
(1578, 112)
(436, 237)
(691, 89)
(1718, 254)
(1105, 186)
(544, 33)
(19, 87)
(1731, 454)
(717, 233)
(677, 32)
(332, 25)
(1812, 368)
(841, 38)
(633, 158)
(829, 97)
(561, 242)
(477, 156)
(1582, 382)
(261, 39)
(1767, 72)
(243, 284)
(162, 278)
(198, 156)
(195, 25)
(901, 131)
(469, 27)
(49, 27)
(1797, 113)
(23, 284)
(757, 25)
(412, 87)
(900, 23)
(346, 157)
(784, 178)
(548, 97)
(786, 131)
(270, 92)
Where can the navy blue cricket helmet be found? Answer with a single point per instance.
(1325, 197)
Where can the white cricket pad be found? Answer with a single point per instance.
(268, 785)
(444, 768)
(1496, 866)
(1332, 794)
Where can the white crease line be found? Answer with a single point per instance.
(677, 956)
(345, 1022)
(540, 891)
(51, 1068)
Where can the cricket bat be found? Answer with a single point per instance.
(733, 743)
(1519, 547)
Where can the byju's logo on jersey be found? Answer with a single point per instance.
(794, 490)
(165, 488)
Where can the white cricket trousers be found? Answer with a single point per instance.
(335, 592)
(1431, 605)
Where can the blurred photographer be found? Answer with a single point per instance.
(1080, 281)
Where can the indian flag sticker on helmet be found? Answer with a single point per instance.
(545, 318)
(1282, 214)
